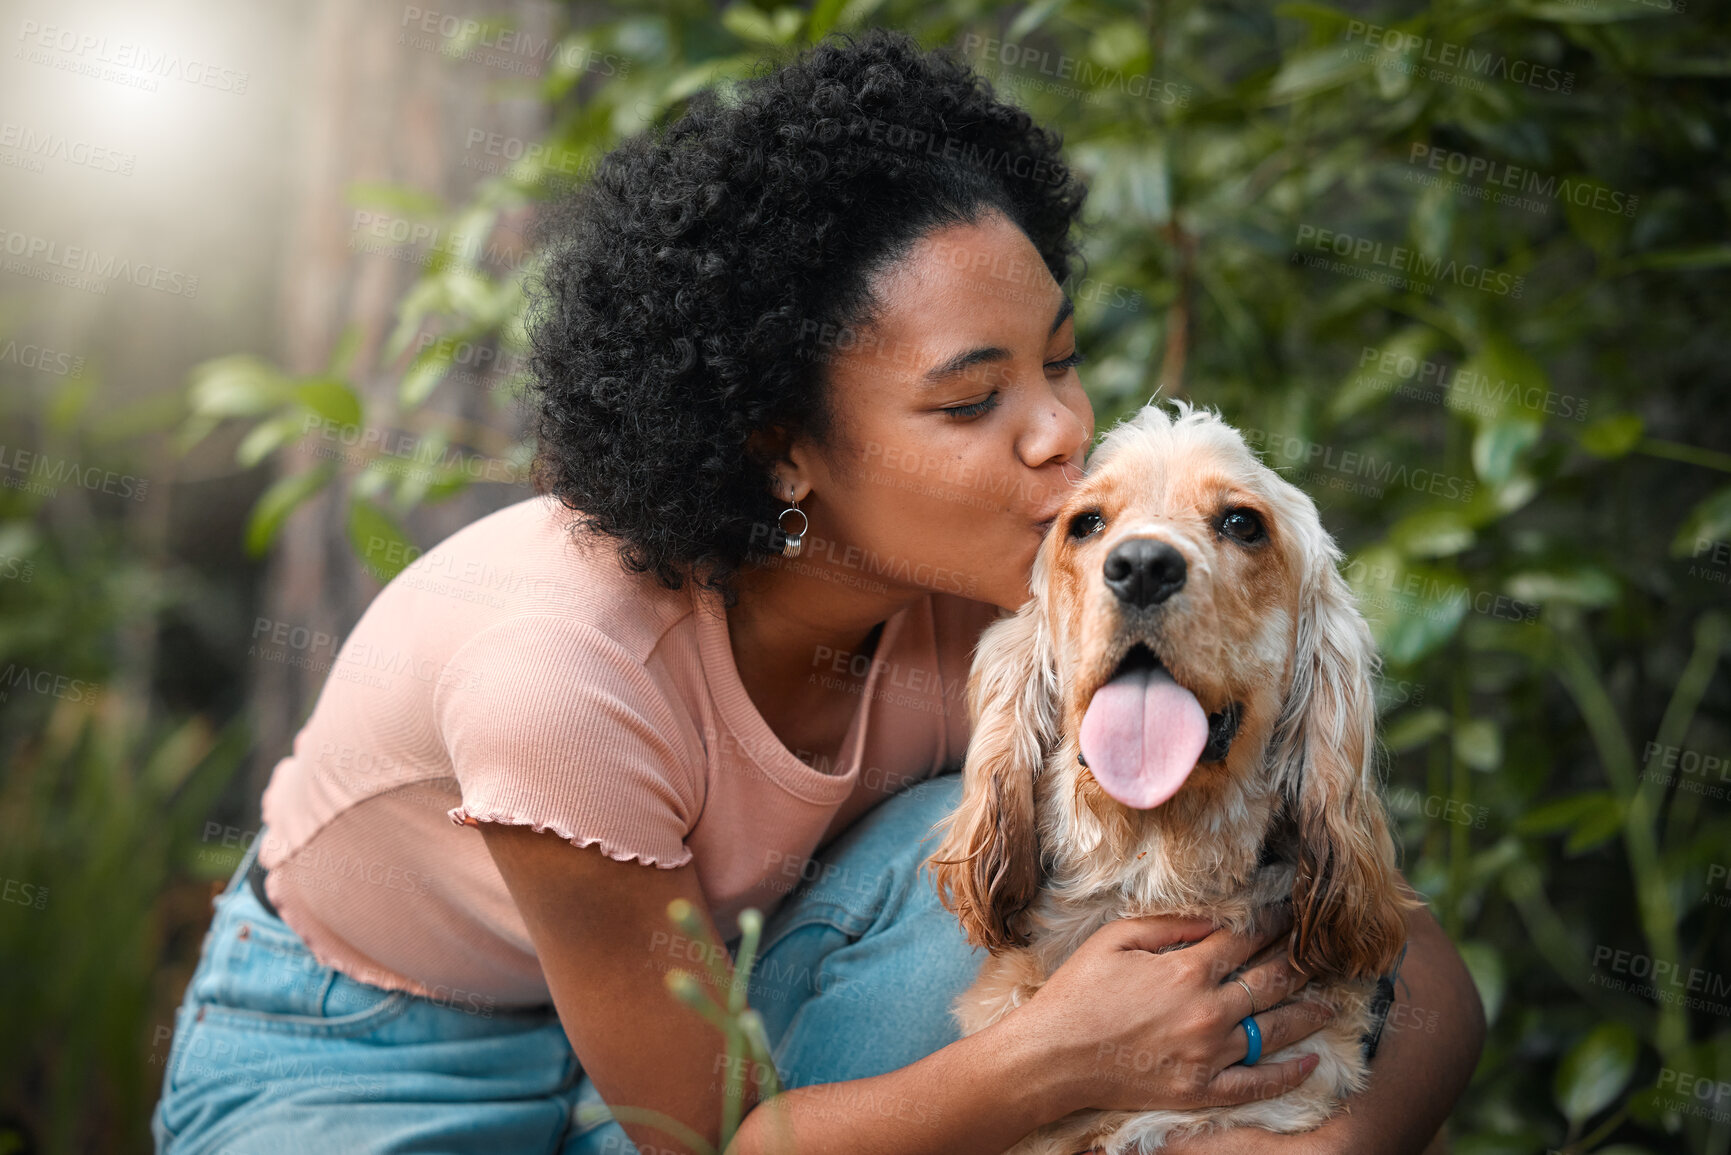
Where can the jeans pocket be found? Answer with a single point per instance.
(255, 971)
(227, 1047)
(385, 1007)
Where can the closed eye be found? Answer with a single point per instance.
(974, 408)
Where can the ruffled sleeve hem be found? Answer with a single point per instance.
(462, 816)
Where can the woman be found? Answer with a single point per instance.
(808, 377)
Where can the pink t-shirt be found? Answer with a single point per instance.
(518, 673)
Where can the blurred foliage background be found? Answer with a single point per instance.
(1508, 387)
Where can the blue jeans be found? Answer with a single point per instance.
(274, 1054)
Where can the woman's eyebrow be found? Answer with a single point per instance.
(973, 357)
(1065, 308)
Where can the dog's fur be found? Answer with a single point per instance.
(1037, 857)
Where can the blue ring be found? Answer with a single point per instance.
(1254, 1034)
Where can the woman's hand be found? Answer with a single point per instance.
(1139, 1030)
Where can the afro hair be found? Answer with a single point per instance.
(686, 284)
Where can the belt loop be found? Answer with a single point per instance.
(255, 873)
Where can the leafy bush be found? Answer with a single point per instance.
(102, 797)
(1459, 271)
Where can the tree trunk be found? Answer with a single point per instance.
(383, 105)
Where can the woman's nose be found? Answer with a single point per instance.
(1058, 433)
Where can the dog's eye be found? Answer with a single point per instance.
(1085, 525)
(1242, 525)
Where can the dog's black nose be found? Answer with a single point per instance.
(1144, 572)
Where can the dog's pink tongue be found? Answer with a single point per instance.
(1142, 735)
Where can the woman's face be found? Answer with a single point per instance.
(960, 422)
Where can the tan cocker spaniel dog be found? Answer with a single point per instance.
(1181, 721)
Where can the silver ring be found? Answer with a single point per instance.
(1249, 992)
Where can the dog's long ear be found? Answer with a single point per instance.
(987, 867)
(1349, 908)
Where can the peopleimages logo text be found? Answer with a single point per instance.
(78, 259)
(123, 54)
(1462, 58)
(1405, 260)
(1529, 182)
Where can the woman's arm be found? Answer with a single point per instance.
(979, 1096)
(1429, 1050)
(604, 940)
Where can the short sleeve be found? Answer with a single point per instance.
(553, 724)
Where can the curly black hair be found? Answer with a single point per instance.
(686, 283)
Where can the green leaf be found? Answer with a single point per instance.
(1613, 436)
(1432, 533)
(1485, 963)
(1130, 183)
(1479, 744)
(1413, 629)
(67, 405)
(176, 758)
(1595, 212)
(1586, 585)
(1595, 1071)
(331, 399)
(1567, 813)
(238, 386)
(1325, 23)
(280, 500)
(1392, 84)
(380, 545)
(268, 436)
(1597, 12)
(1415, 729)
(1121, 45)
(429, 368)
(1595, 829)
(212, 863)
(197, 428)
(1412, 610)
(1708, 523)
(1705, 257)
(1399, 365)
(788, 21)
(18, 539)
(396, 199)
(1497, 447)
(749, 24)
(372, 481)
(119, 420)
(1519, 489)
(1313, 70)
(342, 360)
(1031, 17)
(1433, 216)
(1501, 380)
(824, 15)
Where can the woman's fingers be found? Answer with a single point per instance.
(1270, 983)
(1225, 952)
(1155, 933)
(1280, 1027)
(1247, 1084)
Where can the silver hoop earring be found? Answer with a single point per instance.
(794, 541)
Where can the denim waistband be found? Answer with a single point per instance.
(255, 879)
